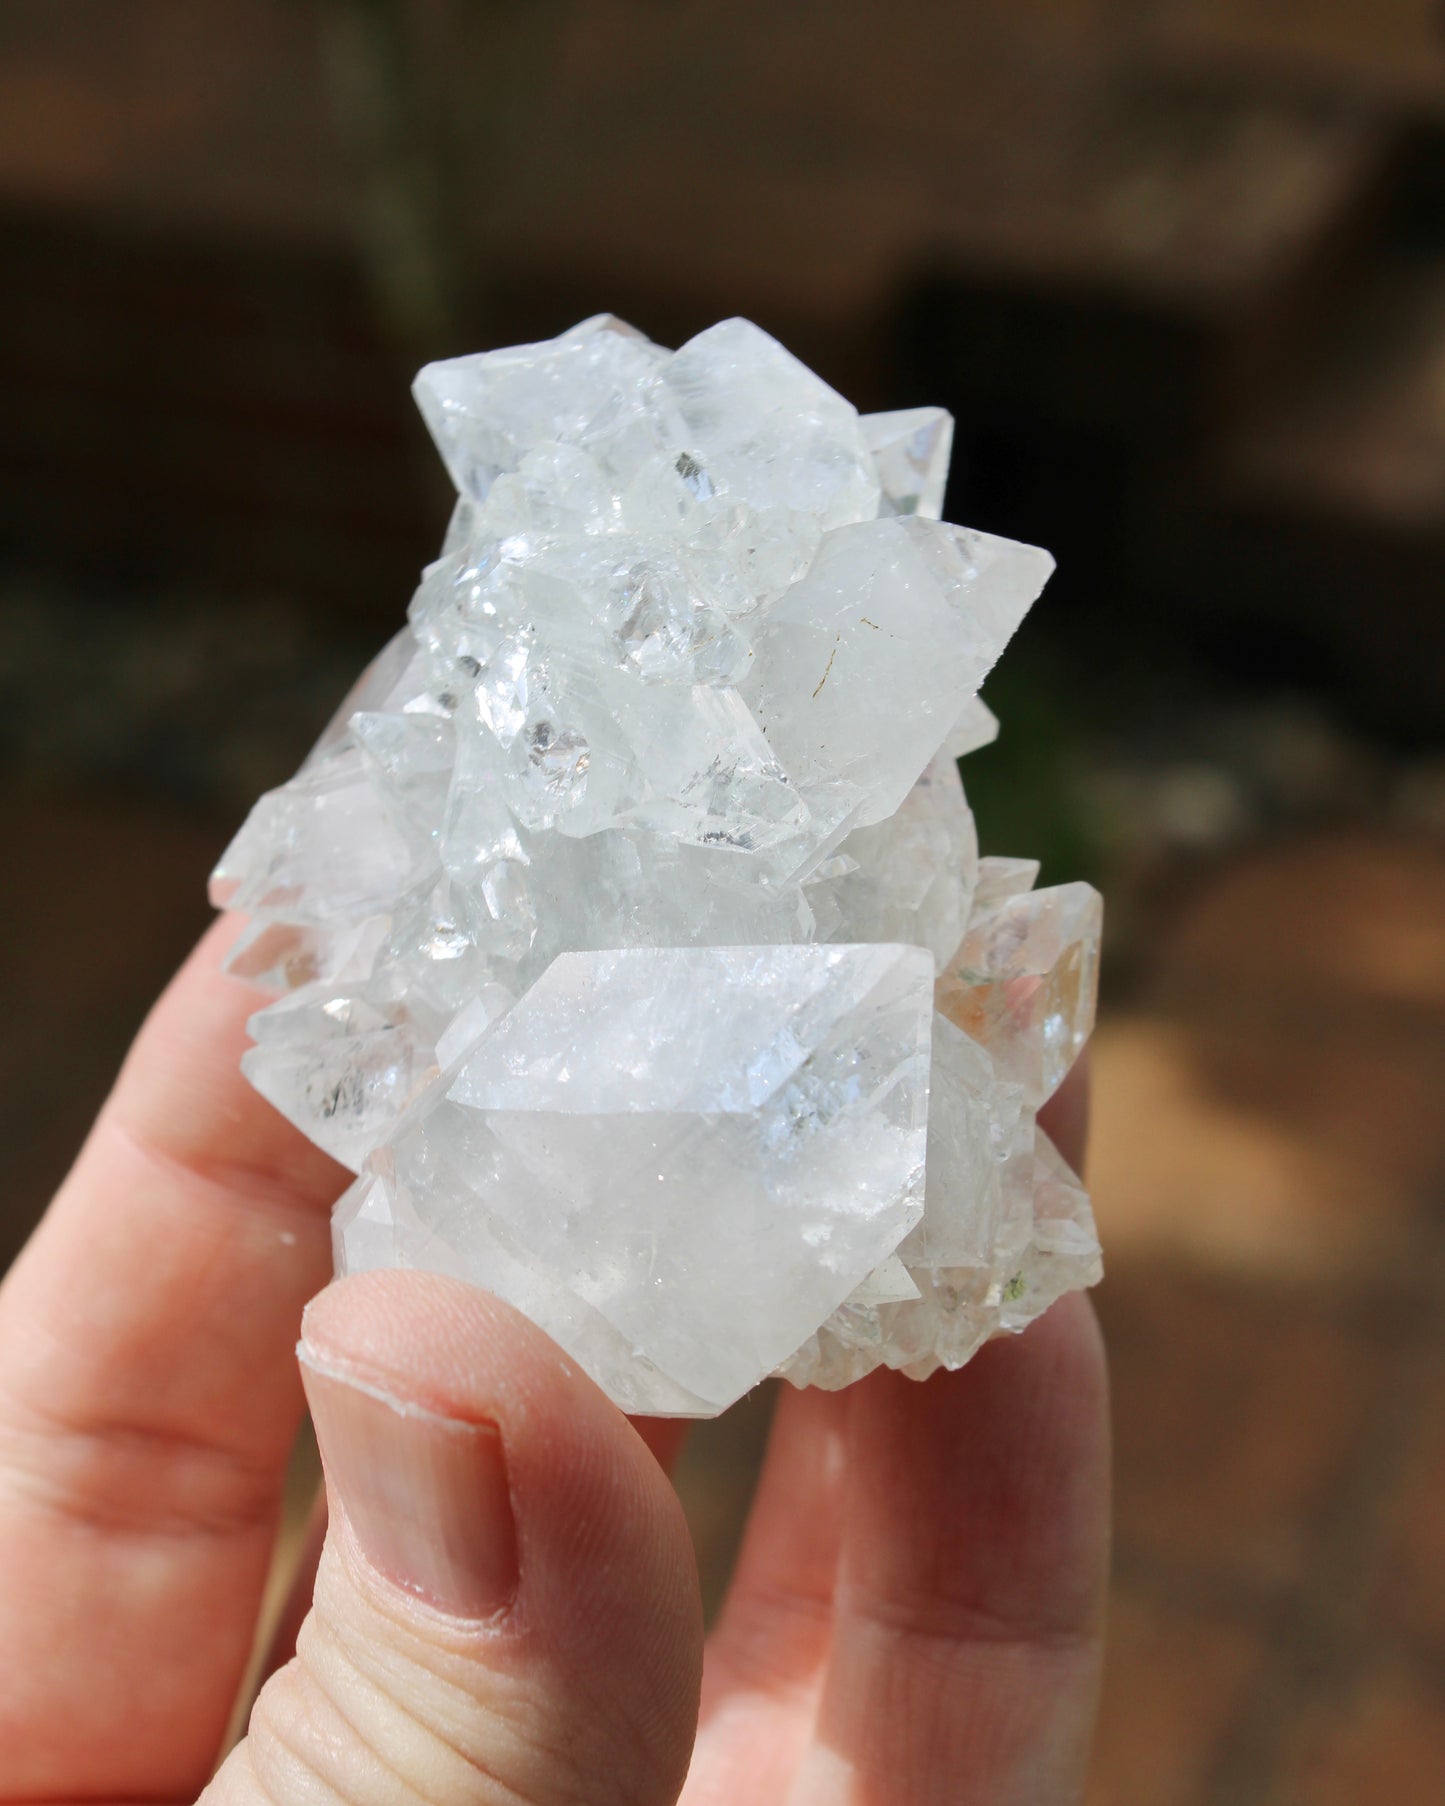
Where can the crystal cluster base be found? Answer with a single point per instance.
(627, 928)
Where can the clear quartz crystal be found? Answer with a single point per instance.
(626, 930)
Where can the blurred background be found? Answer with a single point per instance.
(1178, 268)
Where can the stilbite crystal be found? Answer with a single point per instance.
(626, 926)
(1025, 980)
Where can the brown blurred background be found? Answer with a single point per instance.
(1178, 267)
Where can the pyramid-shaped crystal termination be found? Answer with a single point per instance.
(1024, 981)
(689, 1157)
(626, 929)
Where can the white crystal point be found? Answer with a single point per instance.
(910, 450)
(390, 682)
(999, 879)
(594, 388)
(602, 923)
(1024, 983)
(376, 1225)
(766, 431)
(787, 1086)
(327, 844)
(888, 1284)
(1007, 1230)
(909, 877)
(992, 582)
(978, 1205)
(342, 1065)
(974, 1235)
(861, 669)
(975, 728)
(1063, 1253)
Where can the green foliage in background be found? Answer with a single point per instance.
(1024, 789)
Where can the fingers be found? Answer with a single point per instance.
(767, 1657)
(662, 1436)
(971, 1579)
(300, 1591)
(507, 1606)
(148, 1401)
(923, 1555)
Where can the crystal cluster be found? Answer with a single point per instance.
(632, 941)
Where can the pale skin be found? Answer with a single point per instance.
(916, 1616)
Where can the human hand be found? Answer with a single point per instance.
(506, 1607)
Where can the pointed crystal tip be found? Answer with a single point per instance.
(626, 930)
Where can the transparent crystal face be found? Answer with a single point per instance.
(910, 451)
(1024, 983)
(626, 928)
(786, 1086)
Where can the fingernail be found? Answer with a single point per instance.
(426, 1495)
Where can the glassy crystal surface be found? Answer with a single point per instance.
(909, 877)
(1024, 983)
(976, 727)
(343, 1062)
(861, 669)
(910, 451)
(626, 930)
(1000, 878)
(700, 1127)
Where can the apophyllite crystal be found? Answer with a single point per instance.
(633, 941)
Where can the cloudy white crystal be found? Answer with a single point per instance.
(629, 930)
(784, 1086)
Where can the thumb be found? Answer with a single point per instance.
(507, 1604)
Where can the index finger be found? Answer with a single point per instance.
(148, 1401)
